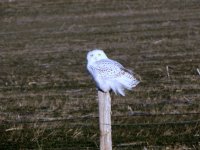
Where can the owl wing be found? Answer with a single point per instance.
(107, 69)
(114, 74)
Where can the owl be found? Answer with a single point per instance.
(109, 74)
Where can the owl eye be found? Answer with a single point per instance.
(91, 55)
(99, 54)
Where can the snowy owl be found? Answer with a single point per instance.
(109, 74)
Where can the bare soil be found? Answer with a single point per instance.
(48, 100)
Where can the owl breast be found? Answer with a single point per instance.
(102, 83)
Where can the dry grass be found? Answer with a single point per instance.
(48, 101)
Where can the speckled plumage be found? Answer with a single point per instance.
(109, 74)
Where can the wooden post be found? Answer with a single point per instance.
(105, 120)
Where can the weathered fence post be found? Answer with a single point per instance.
(105, 120)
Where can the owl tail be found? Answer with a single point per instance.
(128, 82)
(122, 83)
(117, 88)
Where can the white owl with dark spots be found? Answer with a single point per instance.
(109, 74)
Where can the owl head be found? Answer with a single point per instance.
(96, 55)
